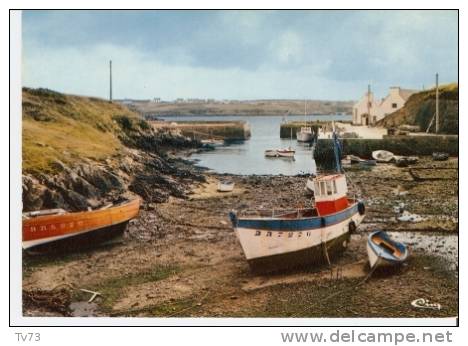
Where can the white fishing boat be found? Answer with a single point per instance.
(278, 239)
(385, 252)
(225, 186)
(305, 134)
(383, 156)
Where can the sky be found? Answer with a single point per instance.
(328, 55)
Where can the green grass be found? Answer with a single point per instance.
(420, 109)
(111, 289)
(66, 128)
(32, 263)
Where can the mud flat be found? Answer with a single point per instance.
(181, 257)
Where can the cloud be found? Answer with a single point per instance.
(238, 54)
(288, 48)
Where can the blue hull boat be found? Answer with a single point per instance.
(385, 252)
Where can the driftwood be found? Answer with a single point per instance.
(94, 294)
(57, 300)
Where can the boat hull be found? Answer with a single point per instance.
(293, 243)
(271, 153)
(378, 259)
(89, 226)
(379, 262)
(382, 156)
(315, 255)
(80, 241)
(285, 153)
(304, 136)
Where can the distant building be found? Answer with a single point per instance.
(368, 110)
(365, 111)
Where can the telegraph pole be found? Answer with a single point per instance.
(110, 80)
(437, 104)
(368, 104)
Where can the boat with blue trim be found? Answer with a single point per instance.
(274, 240)
(384, 251)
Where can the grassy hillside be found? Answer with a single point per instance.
(69, 128)
(258, 107)
(420, 108)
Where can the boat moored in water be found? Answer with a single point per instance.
(385, 252)
(56, 229)
(305, 134)
(286, 152)
(212, 142)
(271, 153)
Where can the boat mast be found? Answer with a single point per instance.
(305, 112)
(337, 150)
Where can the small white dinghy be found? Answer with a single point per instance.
(385, 252)
(287, 152)
(225, 186)
(271, 153)
(383, 156)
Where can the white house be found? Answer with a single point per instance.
(368, 110)
(365, 111)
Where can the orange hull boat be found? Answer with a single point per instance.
(70, 230)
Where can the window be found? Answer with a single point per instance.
(394, 105)
(329, 188)
(322, 188)
(334, 187)
(317, 188)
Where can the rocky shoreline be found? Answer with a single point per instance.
(139, 169)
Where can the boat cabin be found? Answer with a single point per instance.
(330, 193)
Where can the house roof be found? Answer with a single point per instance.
(406, 93)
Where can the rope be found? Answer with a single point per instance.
(342, 291)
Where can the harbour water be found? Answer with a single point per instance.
(247, 157)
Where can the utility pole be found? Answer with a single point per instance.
(437, 104)
(368, 104)
(110, 80)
